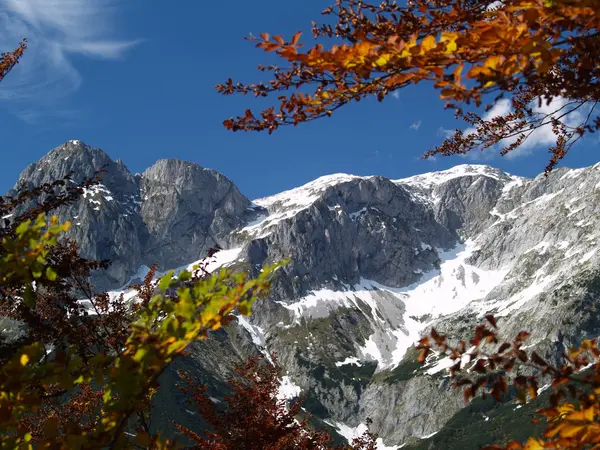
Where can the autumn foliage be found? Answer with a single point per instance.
(486, 366)
(83, 371)
(256, 417)
(84, 367)
(9, 59)
(473, 52)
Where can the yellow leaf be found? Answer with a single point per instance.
(382, 60)
(570, 430)
(144, 439)
(428, 43)
(451, 47)
(50, 273)
(533, 444)
(24, 359)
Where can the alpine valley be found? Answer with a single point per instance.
(374, 264)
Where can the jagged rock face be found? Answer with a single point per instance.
(188, 209)
(105, 223)
(342, 228)
(373, 263)
(169, 215)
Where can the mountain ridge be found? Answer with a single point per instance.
(374, 263)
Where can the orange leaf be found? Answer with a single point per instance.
(296, 37)
(428, 43)
(534, 444)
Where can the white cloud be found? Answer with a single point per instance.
(446, 133)
(56, 30)
(415, 125)
(396, 95)
(501, 108)
(540, 137)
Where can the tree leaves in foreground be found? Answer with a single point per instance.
(8, 60)
(485, 366)
(84, 369)
(256, 416)
(542, 54)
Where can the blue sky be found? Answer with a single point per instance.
(136, 78)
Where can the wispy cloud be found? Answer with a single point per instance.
(396, 95)
(445, 132)
(539, 138)
(415, 125)
(56, 31)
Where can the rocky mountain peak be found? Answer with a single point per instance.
(79, 159)
(169, 215)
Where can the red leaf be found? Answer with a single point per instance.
(491, 319)
(503, 347)
(538, 359)
(423, 355)
(468, 393)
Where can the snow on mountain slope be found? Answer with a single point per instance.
(221, 259)
(465, 280)
(289, 203)
(399, 315)
(431, 179)
(424, 186)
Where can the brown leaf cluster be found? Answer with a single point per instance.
(489, 366)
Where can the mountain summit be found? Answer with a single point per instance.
(170, 214)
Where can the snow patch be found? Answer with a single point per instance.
(350, 433)
(588, 256)
(256, 333)
(371, 349)
(287, 204)
(518, 300)
(399, 315)
(287, 389)
(515, 183)
(351, 360)
(432, 179)
(355, 215)
(573, 173)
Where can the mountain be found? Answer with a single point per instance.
(374, 263)
(168, 215)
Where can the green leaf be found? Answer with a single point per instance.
(184, 275)
(165, 281)
(23, 227)
(50, 274)
(29, 296)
